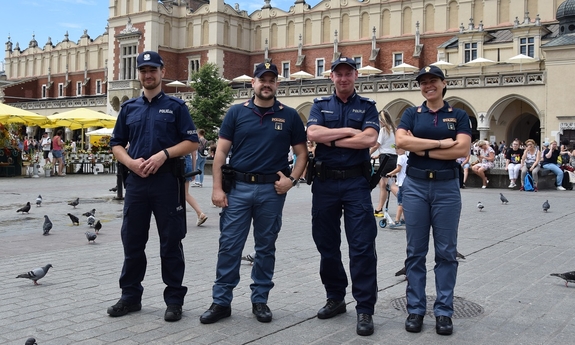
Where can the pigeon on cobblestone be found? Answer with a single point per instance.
(91, 220)
(98, 226)
(546, 206)
(47, 225)
(31, 341)
(74, 203)
(74, 219)
(91, 236)
(39, 201)
(249, 257)
(24, 208)
(569, 277)
(402, 271)
(90, 213)
(480, 206)
(503, 199)
(35, 274)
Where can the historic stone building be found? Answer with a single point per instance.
(504, 99)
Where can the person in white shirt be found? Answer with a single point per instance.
(385, 147)
(400, 172)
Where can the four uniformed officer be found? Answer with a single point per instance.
(345, 125)
(159, 129)
(436, 135)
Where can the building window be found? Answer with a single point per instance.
(357, 61)
(193, 66)
(44, 91)
(397, 59)
(60, 90)
(527, 46)
(470, 51)
(78, 88)
(319, 67)
(285, 69)
(128, 62)
(98, 86)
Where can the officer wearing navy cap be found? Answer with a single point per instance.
(260, 132)
(159, 129)
(345, 125)
(436, 135)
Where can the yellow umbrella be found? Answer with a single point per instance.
(9, 114)
(81, 118)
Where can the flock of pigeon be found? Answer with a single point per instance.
(504, 201)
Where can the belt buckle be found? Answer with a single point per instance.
(251, 177)
(431, 174)
(338, 174)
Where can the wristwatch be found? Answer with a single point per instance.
(293, 181)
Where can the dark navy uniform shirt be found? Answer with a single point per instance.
(447, 122)
(261, 142)
(359, 113)
(150, 127)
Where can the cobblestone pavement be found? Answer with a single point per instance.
(510, 251)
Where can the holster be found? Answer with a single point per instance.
(310, 172)
(228, 178)
(320, 170)
(124, 171)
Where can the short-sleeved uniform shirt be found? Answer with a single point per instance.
(261, 142)
(447, 122)
(358, 112)
(150, 127)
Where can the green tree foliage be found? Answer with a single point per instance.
(211, 100)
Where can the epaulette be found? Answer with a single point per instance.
(367, 99)
(176, 99)
(131, 100)
(320, 99)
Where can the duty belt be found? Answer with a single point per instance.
(428, 174)
(342, 174)
(256, 178)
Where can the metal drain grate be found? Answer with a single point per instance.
(461, 307)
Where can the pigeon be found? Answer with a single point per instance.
(569, 277)
(47, 225)
(91, 236)
(503, 199)
(401, 272)
(460, 256)
(97, 226)
(480, 206)
(249, 257)
(31, 341)
(546, 206)
(39, 201)
(90, 213)
(35, 274)
(74, 203)
(91, 220)
(114, 189)
(25, 208)
(74, 219)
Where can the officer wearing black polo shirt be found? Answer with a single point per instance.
(436, 135)
(259, 134)
(158, 129)
(345, 125)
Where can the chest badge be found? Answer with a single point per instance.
(451, 126)
(278, 126)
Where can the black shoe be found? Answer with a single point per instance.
(414, 323)
(173, 313)
(443, 325)
(215, 313)
(262, 312)
(364, 324)
(331, 309)
(122, 308)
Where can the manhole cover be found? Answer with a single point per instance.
(461, 307)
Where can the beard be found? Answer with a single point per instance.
(150, 84)
(259, 94)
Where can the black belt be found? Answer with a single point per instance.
(342, 174)
(256, 178)
(447, 174)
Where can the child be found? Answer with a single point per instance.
(400, 172)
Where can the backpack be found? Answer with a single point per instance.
(203, 148)
(528, 183)
(566, 181)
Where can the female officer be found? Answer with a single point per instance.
(436, 135)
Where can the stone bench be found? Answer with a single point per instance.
(499, 178)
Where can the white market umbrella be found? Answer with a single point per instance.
(176, 84)
(368, 70)
(242, 79)
(101, 131)
(404, 68)
(326, 73)
(444, 65)
(301, 75)
(480, 62)
(521, 59)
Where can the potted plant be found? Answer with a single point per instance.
(48, 169)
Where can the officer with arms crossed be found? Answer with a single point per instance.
(159, 129)
(259, 132)
(345, 125)
(436, 135)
